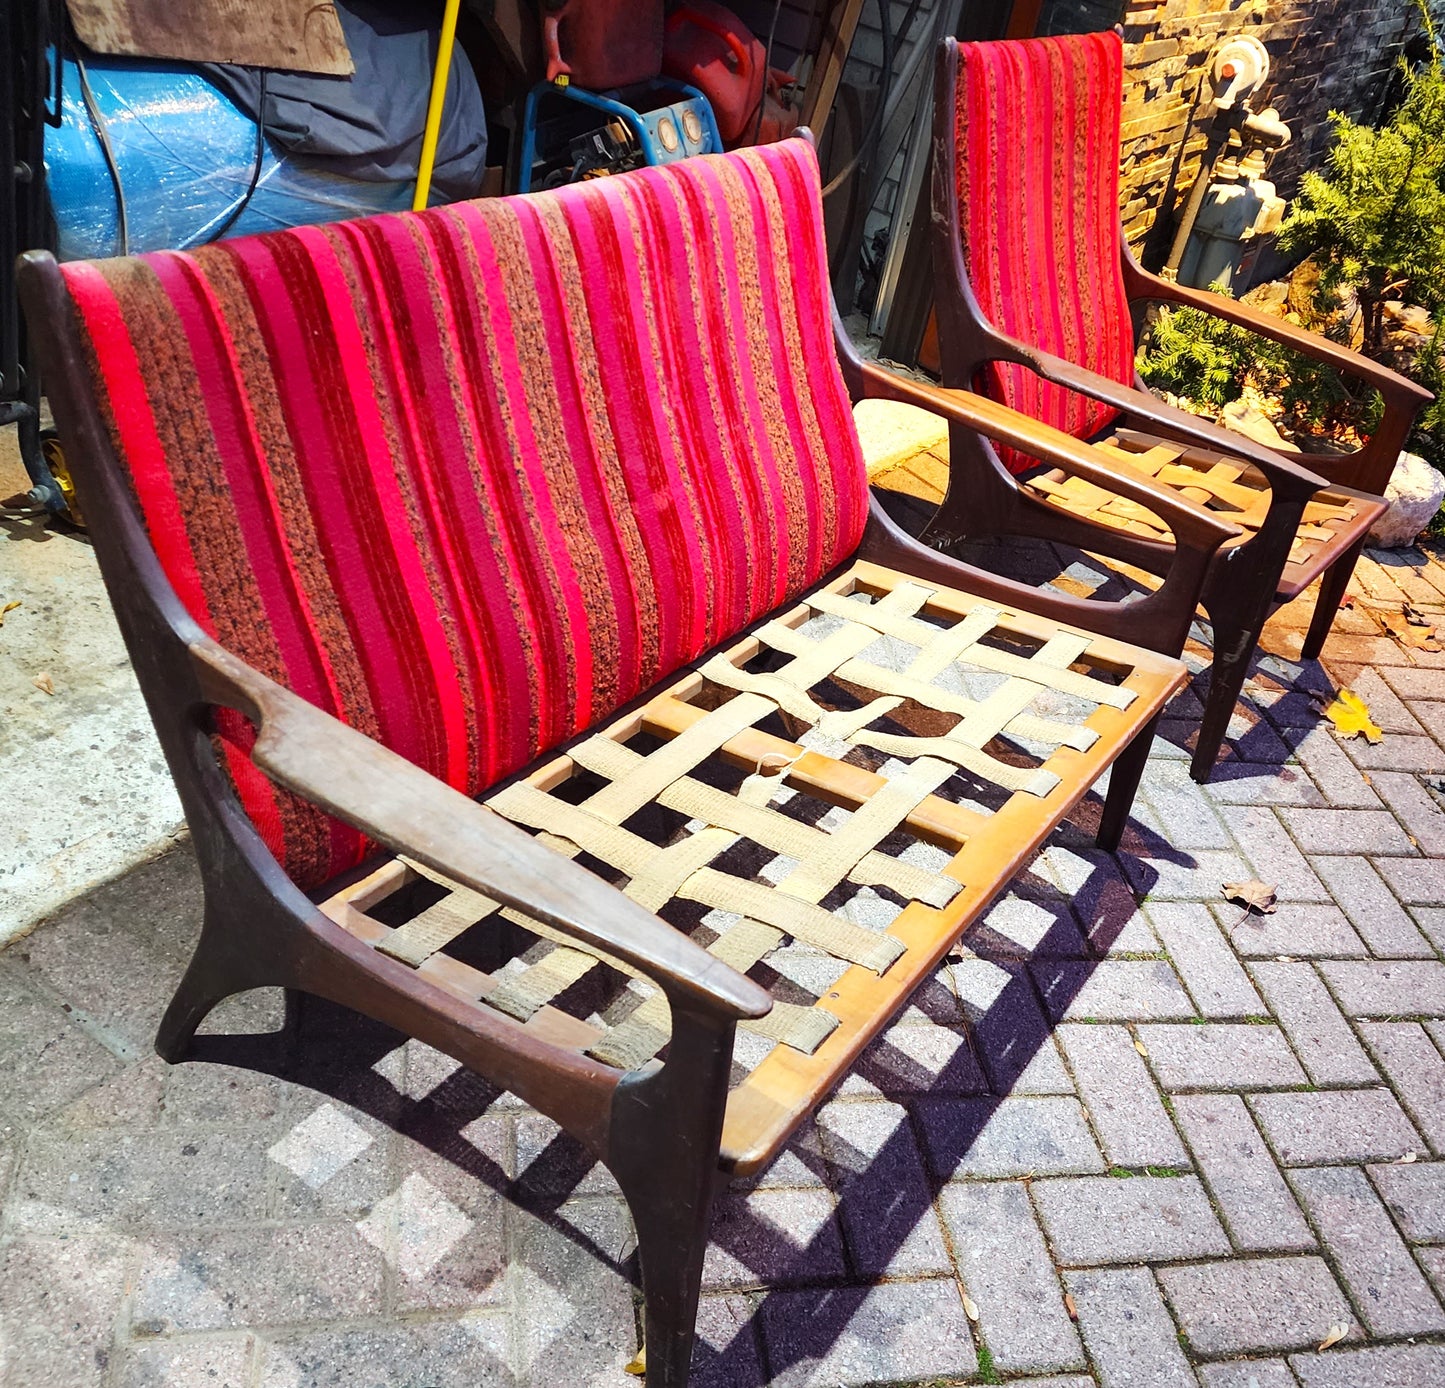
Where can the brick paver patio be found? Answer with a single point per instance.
(1129, 1136)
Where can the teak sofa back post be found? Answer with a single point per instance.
(984, 497)
(659, 1128)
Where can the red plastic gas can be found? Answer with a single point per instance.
(710, 48)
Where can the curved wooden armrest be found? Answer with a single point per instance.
(1396, 389)
(1192, 524)
(305, 749)
(1284, 474)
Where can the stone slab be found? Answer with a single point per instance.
(1341, 1125)
(1108, 1219)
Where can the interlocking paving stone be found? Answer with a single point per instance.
(927, 1059)
(1198, 949)
(1165, 876)
(214, 1363)
(773, 1237)
(1433, 1262)
(1008, 1273)
(1113, 990)
(1383, 923)
(1008, 1137)
(232, 1278)
(896, 1331)
(1300, 929)
(1321, 1036)
(1255, 1305)
(1416, 881)
(1347, 831)
(439, 1354)
(1414, 684)
(1132, 1125)
(1240, 784)
(1248, 1190)
(886, 1203)
(1101, 897)
(45, 1060)
(1404, 988)
(727, 1351)
(59, 1299)
(1387, 711)
(1332, 771)
(1414, 1070)
(1399, 1366)
(1418, 811)
(1011, 1035)
(1020, 928)
(1431, 920)
(1110, 1219)
(1247, 1373)
(1220, 1055)
(1377, 1268)
(1400, 752)
(1415, 1194)
(158, 1178)
(1127, 1331)
(1334, 1125)
(1272, 853)
(1185, 815)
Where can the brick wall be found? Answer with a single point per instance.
(1324, 55)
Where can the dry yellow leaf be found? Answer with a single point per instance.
(1338, 1331)
(1070, 1307)
(1141, 1048)
(638, 1367)
(44, 683)
(1253, 895)
(1351, 716)
(970, 1307)
(9, 607)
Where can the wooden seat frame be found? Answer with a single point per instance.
(1247, 580)
(660, 1128)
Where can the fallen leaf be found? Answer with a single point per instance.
(9, 607)
(1351, 716)
(1284, 958)
(638, 1367)
(1140, 1047)
(970, 1307)
(44, 683)
(1411, 1156)
(1415, 630)
(1070, 1307)
(1338, 1331)
(1253, 895)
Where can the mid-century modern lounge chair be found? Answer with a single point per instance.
(556, 503)
(1034, 283)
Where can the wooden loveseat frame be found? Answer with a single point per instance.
(810, 713)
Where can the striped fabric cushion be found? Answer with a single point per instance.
(472, 478)
(1037, 165)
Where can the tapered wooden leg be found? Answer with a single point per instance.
(210, 979)
(1332, 591)
(1233, 646)
(663, 1148)
(1123, 783)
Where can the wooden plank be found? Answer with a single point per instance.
(838, 30)
(298, 35)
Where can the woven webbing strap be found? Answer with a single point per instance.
(749, 918)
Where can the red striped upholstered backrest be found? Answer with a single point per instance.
(472, 478)
(1037, 169)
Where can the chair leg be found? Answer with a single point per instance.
(1123, 784)
(1234, 643)
(663, 1144)
(1332, 591)
(216, 972)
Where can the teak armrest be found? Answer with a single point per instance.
(1192, 524)
(305, 749)
(1140, 284)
